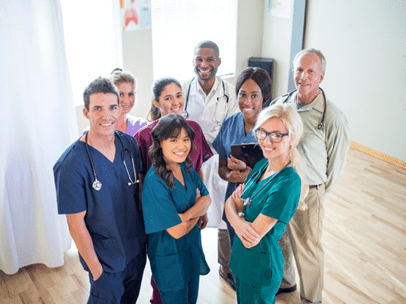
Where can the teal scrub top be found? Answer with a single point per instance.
(263, 264)
(174, 262)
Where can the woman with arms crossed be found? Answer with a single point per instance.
(173, 199)
(167, 99)
(270, 196)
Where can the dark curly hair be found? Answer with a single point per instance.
(168, 126)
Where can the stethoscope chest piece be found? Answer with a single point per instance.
(97, 185)
(247, 202)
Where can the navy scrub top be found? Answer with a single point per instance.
(174, 262)
(262, 264)
(113, 217)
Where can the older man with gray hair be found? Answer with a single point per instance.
(324, 147)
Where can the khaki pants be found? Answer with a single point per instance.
(302, 239)
(224, 249)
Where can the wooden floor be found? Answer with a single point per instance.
(364, 239)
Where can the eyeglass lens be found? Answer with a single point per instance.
(273, 136)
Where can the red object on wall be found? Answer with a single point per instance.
(130, 15)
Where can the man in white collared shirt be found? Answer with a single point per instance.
(208, 100)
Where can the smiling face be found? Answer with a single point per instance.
(103, 114)
(176, 149)
(308, 75)
(171, 100)
(250, 100)
(275, 151)
(206, 64)
(127, 96)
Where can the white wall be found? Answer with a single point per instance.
(249, 33)
(137, 54)
(137, 51)
(276, 44)
(365, 47)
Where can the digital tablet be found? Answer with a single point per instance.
(248, 153)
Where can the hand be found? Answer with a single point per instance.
(237, 176)
(248, 236)
(202, 222)
(237, 192)
(235, 164)
(197, 194)
(236, 196)
(97, 273)
(248, 244)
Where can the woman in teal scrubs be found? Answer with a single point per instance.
(173, 199)
(260, 209)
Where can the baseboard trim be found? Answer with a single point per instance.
(379, 155)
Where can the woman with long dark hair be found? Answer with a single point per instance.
(173, 199)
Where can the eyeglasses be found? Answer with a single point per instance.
(274, 137)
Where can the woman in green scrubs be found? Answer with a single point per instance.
(260, 209)
(173, 199)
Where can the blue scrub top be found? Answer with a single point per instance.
(174, 262)
(113, 215)
(232, 132)
(263, 264)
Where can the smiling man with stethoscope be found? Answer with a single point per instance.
(96, 181)
(324, 147)
(208, 100)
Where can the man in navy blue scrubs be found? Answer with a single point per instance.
(96, 183)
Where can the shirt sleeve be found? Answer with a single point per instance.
(70, 188)
(282, 199)
(204, 151)
(158, 208)
(218, 142)
(142, 146)
(337, 145)
(136, 155)
(234, 108)
(198, 182)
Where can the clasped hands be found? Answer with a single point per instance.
(238, 170)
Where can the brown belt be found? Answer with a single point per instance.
(314, 186)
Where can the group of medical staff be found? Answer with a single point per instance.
(132, 188)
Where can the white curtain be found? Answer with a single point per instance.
(38, 123)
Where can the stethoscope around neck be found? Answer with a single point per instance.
(97, 184)
(321, 124)
(248, 201)
(186, 113)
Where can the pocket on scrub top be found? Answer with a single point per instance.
(254, 266)
(110, 254)
(169, 271)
